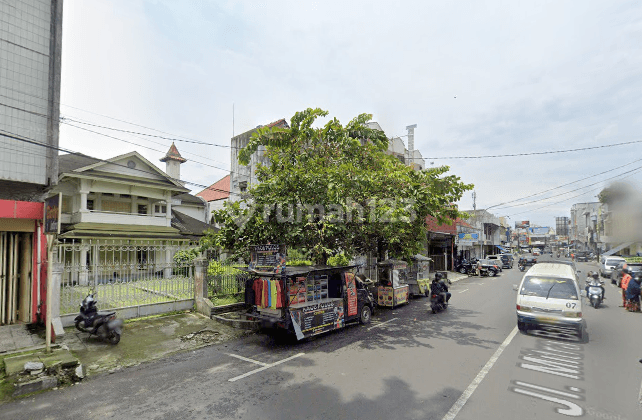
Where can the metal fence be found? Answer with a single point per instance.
(226, 285)
(122, 273)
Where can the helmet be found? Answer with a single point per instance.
(595, 275)
(627, 270)
(438, 276)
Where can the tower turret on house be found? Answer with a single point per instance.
(173, 161)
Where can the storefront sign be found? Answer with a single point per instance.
(270, 258)
(384, 296)
(467, 239)
(351, 290)
(320, 317)
(53, 210)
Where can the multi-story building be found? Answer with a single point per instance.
(583, 226)
(30, 63)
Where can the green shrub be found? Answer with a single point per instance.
(215, 268)
(298, 262)
(338, 260)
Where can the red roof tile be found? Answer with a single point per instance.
(172, 153)
(217, 191)
(280, 123)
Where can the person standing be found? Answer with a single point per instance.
(633, 294)
(626, 277)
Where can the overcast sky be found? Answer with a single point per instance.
(477, 77)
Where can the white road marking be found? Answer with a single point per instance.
(246, 359)
(383, 323)
(459, 404)
(261, 369)
(462, 291)
(640, 397)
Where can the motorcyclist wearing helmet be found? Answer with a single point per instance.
(439, 288)
(593, 280)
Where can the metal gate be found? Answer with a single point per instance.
(122, 273)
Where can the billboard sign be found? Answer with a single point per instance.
(524, 224)
(539, 230)
(467, 238)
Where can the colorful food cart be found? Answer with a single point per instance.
(306, 300)
(393, 288)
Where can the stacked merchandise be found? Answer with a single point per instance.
(304, 289)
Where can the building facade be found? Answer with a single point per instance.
(30, 64)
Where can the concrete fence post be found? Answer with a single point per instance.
(56, 280)
(201, 301)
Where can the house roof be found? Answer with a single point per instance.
(217, 191)
(187, 198)
(280, 123)
(188, 225)
(172, 154)
(71, 162)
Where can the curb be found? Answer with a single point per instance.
(237, 323)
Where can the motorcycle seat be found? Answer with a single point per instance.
(106, 313)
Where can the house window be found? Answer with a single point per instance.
(142, 209)
(116, 206)
(160, 209)
(243, 186)
(125, 196)
(66, 204)
(90, 204)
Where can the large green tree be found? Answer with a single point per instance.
(334, 189)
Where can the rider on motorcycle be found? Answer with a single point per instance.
(439, 288)
(593, 280)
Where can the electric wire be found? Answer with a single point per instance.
(60, 149)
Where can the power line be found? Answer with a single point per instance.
(570, 198)
(138, 144)
(538, 153)
(563, 185)
(145, 134)
(60, 149)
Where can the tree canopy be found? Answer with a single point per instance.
(333, 189)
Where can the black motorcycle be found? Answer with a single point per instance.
(104, 325)
(436, 305)
(465, 266)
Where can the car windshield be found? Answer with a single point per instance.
(553, 288)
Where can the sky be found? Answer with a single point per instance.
(479, 78)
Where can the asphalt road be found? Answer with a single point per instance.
(466, 363)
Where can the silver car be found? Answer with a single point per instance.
(608, 264)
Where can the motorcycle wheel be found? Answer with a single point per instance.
(462, 270)
(114, 338)
(77, 325)
(493, 273)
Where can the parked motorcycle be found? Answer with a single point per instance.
(436, 305)
(104, 325)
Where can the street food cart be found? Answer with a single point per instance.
(306, 300)
(393, 288)
(417, 278)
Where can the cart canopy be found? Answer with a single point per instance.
(302, 270)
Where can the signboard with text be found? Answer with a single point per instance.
(267, 258)
(320, 317)
(53, 208)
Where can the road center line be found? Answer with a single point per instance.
(462, 291)
(378, 325)
(246, 359)
(236, 378)
(459, 404)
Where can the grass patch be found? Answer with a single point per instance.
(227, 300)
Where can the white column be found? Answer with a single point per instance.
(168, 215)
(83, 201)
(83, 278)
(134, 204)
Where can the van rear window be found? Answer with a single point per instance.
(553, 288)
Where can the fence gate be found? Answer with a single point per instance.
(122, 275)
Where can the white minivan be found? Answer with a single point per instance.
(549, 298)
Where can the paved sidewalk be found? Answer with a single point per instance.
(17, 337)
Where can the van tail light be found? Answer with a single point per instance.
(518, 307)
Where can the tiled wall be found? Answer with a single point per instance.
(24, 84)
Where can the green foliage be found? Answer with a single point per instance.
(299, 262)
(185, 257)
(215, 268)
(334, 188)
(338, 260)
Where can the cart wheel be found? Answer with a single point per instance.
(366, 315)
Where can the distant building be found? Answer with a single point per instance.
(216, 195)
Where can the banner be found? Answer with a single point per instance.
(267, 258)
(53, 208)
(539, 230)
(320, 317)
(351, 290)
